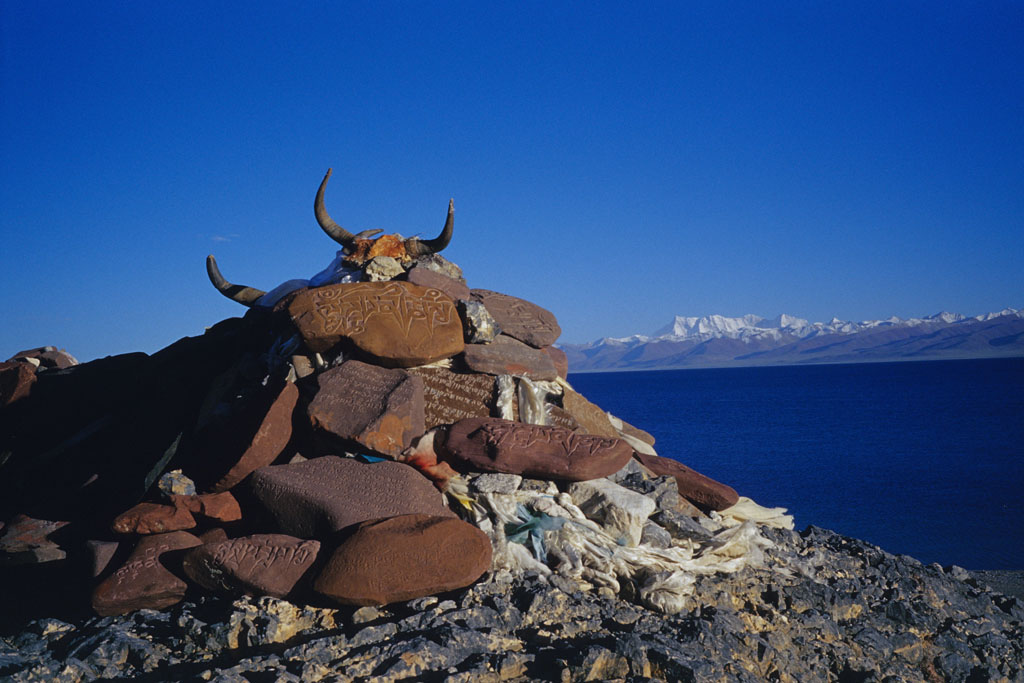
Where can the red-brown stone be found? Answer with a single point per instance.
(381, 409)
(425, 277)
(534, 451)
(560, 360)
(270, 438)
(153, 518)
(508, 356)
(16, 380)
(313, 499)
(26, 541)
(519, 318)
(403, 558)
(261, 564)
(591, 418)
(395, 323)
(143, 582)
(702, 491)
(453, 396)
(219, 506)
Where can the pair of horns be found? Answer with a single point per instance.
(413, 245)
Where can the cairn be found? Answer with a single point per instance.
(378, 433)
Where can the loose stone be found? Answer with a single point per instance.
(403, 558)
(268, 441)
(26, 541)
(395, 323)
(381, 409)
(478, 326)
(535, 451)
(590, 417)
(702, 491)
(16, 380)
(560, 360)
(219, 506)
(521, 319)
(320, 496)
(453, 396)
(426, 277)
(261, 564)
(153, 518)
(508, 356)
(143, 582)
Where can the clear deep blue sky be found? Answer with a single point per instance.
(617, 165)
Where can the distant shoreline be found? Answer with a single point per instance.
(726, 366)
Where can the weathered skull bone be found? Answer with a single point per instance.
(357, 250)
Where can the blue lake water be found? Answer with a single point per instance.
(920, 458)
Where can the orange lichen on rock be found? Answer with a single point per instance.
(385, 245)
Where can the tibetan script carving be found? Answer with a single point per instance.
(536, 451)
(395, 323)
(452, 396)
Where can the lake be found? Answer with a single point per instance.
(920, 458)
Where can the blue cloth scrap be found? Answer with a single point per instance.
(530, 531)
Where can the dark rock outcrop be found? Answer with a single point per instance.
(826, 608)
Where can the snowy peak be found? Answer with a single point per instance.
(717, 340)
(750, 328)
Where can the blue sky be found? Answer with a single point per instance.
(617, 165)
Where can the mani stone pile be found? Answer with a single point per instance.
(380, 435)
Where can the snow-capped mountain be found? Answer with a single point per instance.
(754, 340)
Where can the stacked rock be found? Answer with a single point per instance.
(313, 465)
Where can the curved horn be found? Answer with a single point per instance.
(246, 296)
(333, 230)
(416, 247)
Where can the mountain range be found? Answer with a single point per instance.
(719, 341)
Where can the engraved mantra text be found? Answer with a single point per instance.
(525, 436)
(346, 311)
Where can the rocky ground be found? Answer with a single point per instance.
(825, 608)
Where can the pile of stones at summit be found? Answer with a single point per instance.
(300, 451)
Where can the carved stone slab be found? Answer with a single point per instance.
(269, 439)
(261, 564)
(590, 417)
(704, 492)
(508, 356)
(381, 409)
(453, 396)
(558, 417)
(404, 558)
(425, 277)
(395, 323)
(143, 582)
(519, 318)
(560, 360)
(315, 498)
(534, 451)
(153, 518)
